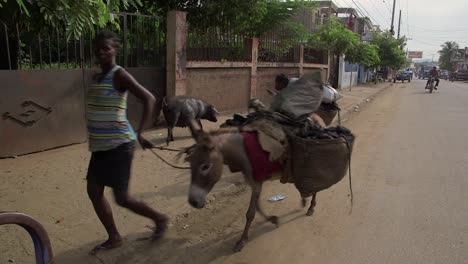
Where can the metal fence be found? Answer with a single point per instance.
(310, 20)
(281, 45)
(277, 46)
(312, 55)
(216, 40)
(142, 45)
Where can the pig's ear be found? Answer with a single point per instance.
(215, 110)
(195, 130)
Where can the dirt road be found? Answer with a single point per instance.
(410, 190)
(410, 193)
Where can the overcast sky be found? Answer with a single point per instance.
(429, 23)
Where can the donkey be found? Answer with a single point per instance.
(207, 156)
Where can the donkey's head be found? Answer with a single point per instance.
(206, 163)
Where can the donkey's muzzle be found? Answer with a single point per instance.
(197, 203)
(197, 196)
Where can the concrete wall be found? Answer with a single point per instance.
(323, 72)
(227, 84)
(226, 88)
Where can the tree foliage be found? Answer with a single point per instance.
(336, 38)
(20, 4)
(249, 17)
(448, 54)
(369, 55)
(390, 50)
(363, 53)
(72, 15)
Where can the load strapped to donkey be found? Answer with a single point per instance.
(312, 156)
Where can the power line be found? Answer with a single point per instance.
(407, 18)
(438, 36)
(439, 30)
(387, 6)
(423, 42)
(363, 13)
(441, 39)
(378, 11)
(368, 13)
(360, 11)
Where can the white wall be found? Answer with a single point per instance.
(344, 77)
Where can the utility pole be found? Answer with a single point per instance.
(392, 28)
(399, 25)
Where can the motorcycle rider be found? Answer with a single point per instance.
(434, 74)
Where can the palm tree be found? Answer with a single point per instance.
(449, 52)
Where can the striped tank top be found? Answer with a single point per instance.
(106, 113)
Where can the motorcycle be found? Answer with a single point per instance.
(431, 84)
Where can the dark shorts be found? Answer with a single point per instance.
(112, 167)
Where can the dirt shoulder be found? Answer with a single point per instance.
(51, 187)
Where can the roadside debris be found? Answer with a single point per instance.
(277, 198)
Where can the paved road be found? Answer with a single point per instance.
(410, 188)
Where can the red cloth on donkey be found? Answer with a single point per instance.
(262, 167)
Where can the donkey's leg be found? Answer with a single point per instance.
(200, 124)
(169, 135)
(310, 212)
(249, 218)
(273, 218)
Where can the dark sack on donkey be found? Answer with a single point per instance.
(300, 98)
(320, 161)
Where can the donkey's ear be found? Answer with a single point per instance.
(195, 130)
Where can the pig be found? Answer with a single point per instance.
(179, 111)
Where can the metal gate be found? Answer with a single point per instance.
(45, 78)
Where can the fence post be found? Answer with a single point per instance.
(176, 64)
(301, 60)
(125, 52)
(253, 68)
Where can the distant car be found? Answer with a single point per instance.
(402, 76)
(461, 75)
(410, 73)
(444, 74)
(424, 74)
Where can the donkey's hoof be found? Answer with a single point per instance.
(239, 246)
(310, 212)
(274, 220)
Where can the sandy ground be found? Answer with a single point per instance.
(408, 179)
(410, 192)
